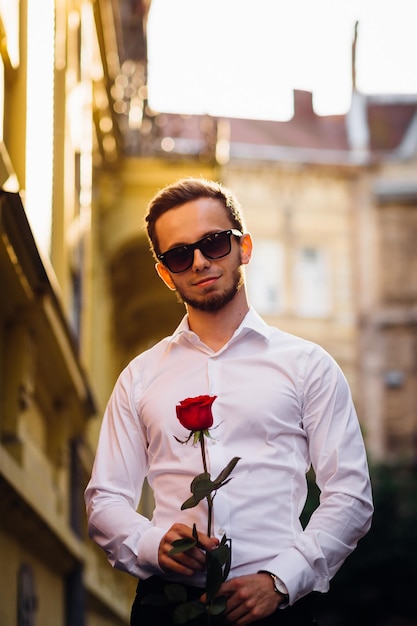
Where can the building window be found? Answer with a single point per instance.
(311, 277)
(27, 602)
(265, 277)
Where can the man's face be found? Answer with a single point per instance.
(209, 284)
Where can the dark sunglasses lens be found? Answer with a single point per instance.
(215, 246)
(179, 259)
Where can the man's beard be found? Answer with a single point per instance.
(215, 302)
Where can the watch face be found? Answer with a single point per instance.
(279, 586)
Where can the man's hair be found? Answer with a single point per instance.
(186, 190)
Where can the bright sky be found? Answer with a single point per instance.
(243, 58)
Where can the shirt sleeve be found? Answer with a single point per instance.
(338, 458)
(129, 539)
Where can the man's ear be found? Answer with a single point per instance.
(246, 248)
(164, 275)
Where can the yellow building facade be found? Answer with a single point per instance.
(78, 299)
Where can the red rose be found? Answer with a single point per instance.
(195, 413)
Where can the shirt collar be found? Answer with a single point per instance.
(251, 322)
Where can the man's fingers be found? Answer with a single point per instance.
(187, 562)
(249, 598)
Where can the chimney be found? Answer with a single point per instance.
(303, 105)
(354, 53)
(357, 117)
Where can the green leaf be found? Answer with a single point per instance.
(214, 579)
(218, 606)
(227, 564)
(219, 481)
(201, 487)
(190, 503)
(175, 593)
(155, 599)
(182, 545)
(187, 611)
(225, 554)
(218, 567)
(201, 483)
(195, 533)
(221, 553)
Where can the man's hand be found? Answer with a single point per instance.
(189, 562)
(249, 598)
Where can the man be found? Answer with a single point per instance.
(281, 404)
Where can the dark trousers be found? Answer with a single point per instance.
(300, 614)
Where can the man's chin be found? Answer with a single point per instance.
(210, 303)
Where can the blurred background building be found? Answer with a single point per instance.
(332, 206)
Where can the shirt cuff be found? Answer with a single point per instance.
(297, 574)
(147, 552)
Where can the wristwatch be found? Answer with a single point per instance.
(279, 586)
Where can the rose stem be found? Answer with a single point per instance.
(209, 497)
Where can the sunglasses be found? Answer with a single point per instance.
(214, 246)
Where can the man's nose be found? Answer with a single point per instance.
(200, 261)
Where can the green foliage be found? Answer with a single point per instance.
(173, 594)
(218, 566)
(187, 611)
(202, 486)
(376, 585)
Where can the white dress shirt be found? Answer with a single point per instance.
(282, 405)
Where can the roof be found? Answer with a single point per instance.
(383, 122)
